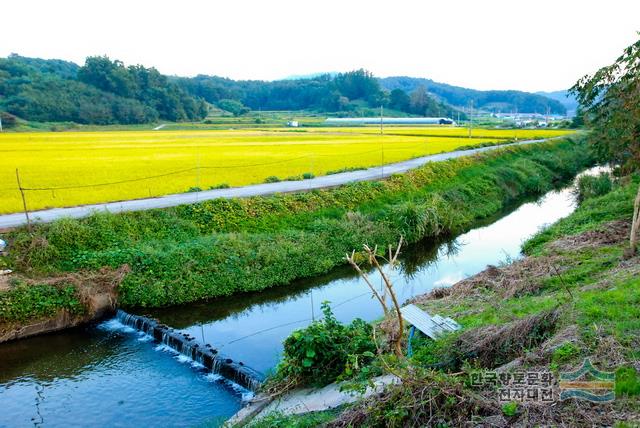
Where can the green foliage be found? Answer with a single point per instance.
(510, 408)
(194, 189)
(220, 247)
(234, 107)
(145, 85)
(220, 186)
(26, 301)
(272, 179)
(308, 175)
(498, 101)
(101, 92)
(627, 382)
(610, 98)
(563, 354)
(589, 186)
(327, 349)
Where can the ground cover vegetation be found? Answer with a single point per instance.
(221, 247)
(74, 168)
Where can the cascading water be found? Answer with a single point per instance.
(188, 346)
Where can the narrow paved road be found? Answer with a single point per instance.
(46, 216)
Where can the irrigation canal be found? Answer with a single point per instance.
(121, 373)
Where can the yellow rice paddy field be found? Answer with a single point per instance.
(74, 168)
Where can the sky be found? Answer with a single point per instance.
(489, 44)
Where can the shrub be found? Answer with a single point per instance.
(219, 186)
(590, 186)
(194, 189)
(272, 179)
(308, 176)
(346, 169)
(320, 353)
(26, 301)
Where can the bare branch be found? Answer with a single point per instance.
(363, 275)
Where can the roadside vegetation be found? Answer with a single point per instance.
(221, 247)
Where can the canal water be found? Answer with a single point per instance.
(112, 375)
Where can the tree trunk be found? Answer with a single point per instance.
(635, 225)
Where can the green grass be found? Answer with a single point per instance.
(604, 299)
(589, 216)
(222, 247)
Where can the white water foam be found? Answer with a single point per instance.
(245, 394)
(165, 348)
(143, 337)
(183, 358)
(115, 325)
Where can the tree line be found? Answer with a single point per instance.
(504, 101)
(352, 92)
(106, 91)
(100, 92)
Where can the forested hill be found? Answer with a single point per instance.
(105, 91)
(100, 92)
(353, 92)
(495, 101)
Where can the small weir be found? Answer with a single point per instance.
(188, 346)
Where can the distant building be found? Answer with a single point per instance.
(390, 121)
(293, 123)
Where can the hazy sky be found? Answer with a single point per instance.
(488, 44)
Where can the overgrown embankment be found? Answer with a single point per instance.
(575, 296)
(221, 247)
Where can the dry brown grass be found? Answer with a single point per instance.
(422, 399)
(610, 233)
(492, 346)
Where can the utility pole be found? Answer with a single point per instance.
(381, 144)
(470, 117)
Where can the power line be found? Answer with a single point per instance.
(182, 171)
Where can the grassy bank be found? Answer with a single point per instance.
(223, 247)
(574, 296)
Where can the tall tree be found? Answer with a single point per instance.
(399, 100)
(611, 101)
